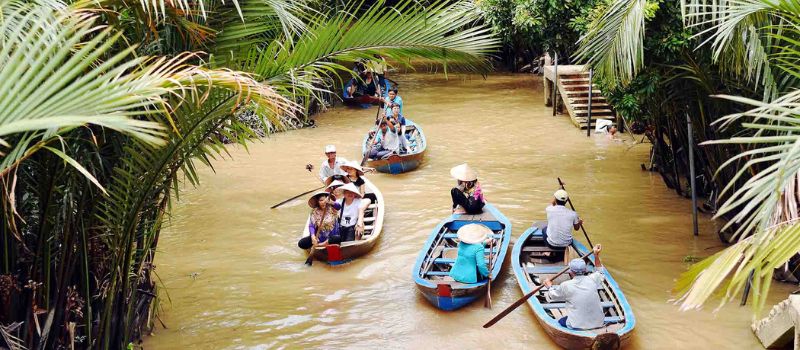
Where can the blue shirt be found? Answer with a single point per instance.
(397, 99)
(469, 263)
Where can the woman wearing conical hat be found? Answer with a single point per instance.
(467, 195)
(470, 265)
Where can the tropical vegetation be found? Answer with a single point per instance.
(732, 68)
(109, 106)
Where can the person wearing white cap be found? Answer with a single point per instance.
(467, 196)
(470, 265)
(351, 213)
(560, 222)
(332, 165)
(584, 309)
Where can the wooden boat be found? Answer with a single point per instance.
(373, 226)
(431, 270)
(532, 266)
(400, 163)
(363, 101)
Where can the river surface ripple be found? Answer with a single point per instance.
(234, 277)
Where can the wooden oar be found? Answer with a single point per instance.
(368, 149)
(573, 209)
(522, 300)
(308, 167)
(488, 302)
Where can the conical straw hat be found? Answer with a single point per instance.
(312, 202)
(464, 173)
(353, 164)
(351, 187)
(473, 233)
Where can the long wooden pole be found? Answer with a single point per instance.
(589, 107)
(573, 209)
(308, 167)
(555, 84)
(368, 148)
(691, 174)
(522, 300)
(488, 302)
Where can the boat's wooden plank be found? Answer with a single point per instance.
(549, 269)
(438, 273)
(453, 235)
(561, 305)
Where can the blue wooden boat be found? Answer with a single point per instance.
(534, 262)
(400, 163)
(431, 270)
(363, 101)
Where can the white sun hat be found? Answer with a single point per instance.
(351, 187)
(330, 149)
(561, 195)
(353, 164)
(464, 173)
(473, 233)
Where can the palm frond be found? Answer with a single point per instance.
(613, 46)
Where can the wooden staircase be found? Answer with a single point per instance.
(573, 89)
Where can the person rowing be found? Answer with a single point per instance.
(467, 196)
(323, 223)
(557, 232)
(332, 165)
(584, 308)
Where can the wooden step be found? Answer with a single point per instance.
(594, 105)
(585, 99)
(578, 87)
(573, 94)
(573, 81)
(594, 112)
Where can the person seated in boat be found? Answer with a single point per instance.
(584, 309)
(397, 118)
(392, 99)
(351, 213)
(561, 221)
(333, 183)
(355, 175)
(379, 67)
(323, 223)
(470, 265)
(386, 141)
(332, 165)
(467, 196)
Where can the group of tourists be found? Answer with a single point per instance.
(391, 136)
(337, 211)
(584, 307)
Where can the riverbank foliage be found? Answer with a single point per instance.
(108, 106)
(731, 67)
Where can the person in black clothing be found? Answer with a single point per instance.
(467, 196)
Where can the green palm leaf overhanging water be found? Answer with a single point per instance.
(121, 131)
(747, 40)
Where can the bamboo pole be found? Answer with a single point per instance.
(691, 173)
(589, 107)
(555, 84)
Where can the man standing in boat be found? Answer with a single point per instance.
(332, 165)
(584, 309)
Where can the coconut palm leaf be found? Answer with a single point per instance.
(614, 44)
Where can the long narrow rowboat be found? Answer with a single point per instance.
(363, 101)
(400, 163)
(532, 266)
(373, 226)
(431, 271)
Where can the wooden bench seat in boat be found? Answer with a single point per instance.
(552, 270)
(561, 305)
(453, 235)
(438, 273)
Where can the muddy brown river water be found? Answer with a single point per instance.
(234, 278)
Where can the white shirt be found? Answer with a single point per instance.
(584, 310)
(389, 141)
(349, 216)
(325, 171)
(560, 221)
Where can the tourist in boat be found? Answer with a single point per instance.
(354, 175)
(378, 66)
(333, 183)
(351, 213)
(397, 118)
(392, 99)
(332, 165)
(323, 223)
(584, 309)
(560, 222)
(467, 195)
(386, 141)
(395, 113)
(470, 265)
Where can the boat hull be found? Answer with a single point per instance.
(430, 271)
(400, 163)
(347, 251)
(566, 337)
